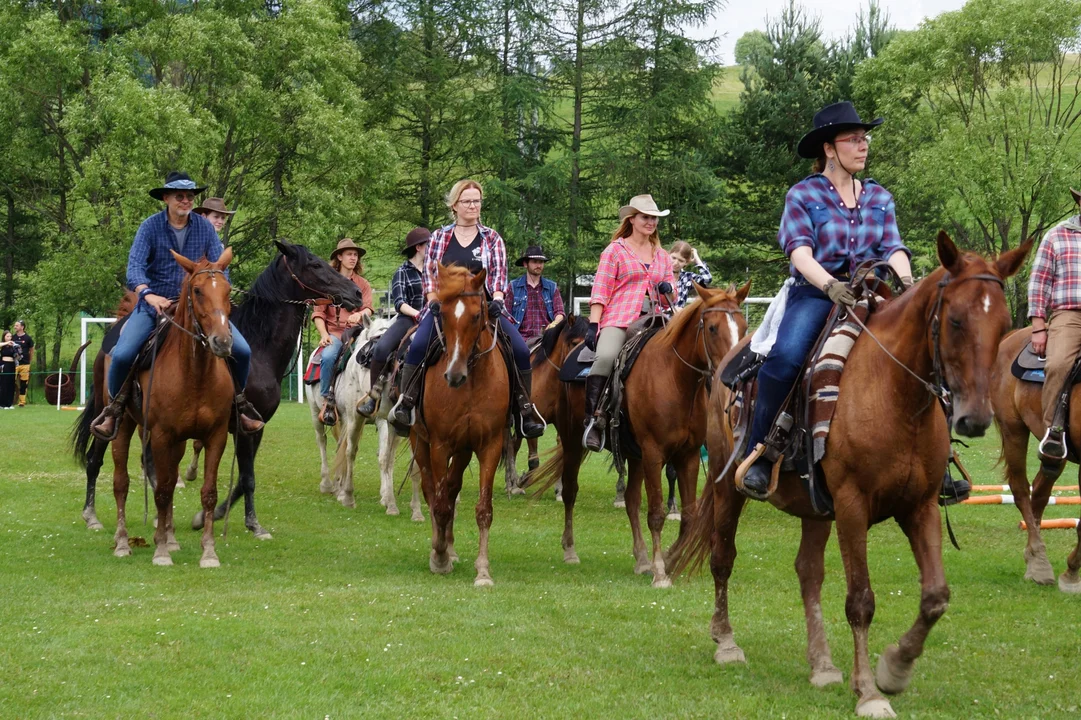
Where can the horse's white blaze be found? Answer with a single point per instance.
(213, 282)
(459, 309)
(733, 330)
(454, 355)
(221, 317)
(986, 303)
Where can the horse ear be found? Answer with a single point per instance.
(225, 258)
(478, 279)
(285, 248)
(1009, 262)
(188, 265)
(703, 291)
(743, 292)
(366, 321)
(948, 253)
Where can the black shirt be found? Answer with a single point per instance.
(25, 343)
(468, 257)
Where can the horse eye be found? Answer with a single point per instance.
(713, 329)
(198, 291)
(476, 316)
(956, 323)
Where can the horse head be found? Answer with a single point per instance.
(315, 278)
(969, 318)
(703, 332)
(463, 311)
(204, 301)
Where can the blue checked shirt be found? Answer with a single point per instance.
(150, 262)
(816, 217)
(700, 274)
(407, 287)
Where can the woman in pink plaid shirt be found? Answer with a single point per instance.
(634, 273)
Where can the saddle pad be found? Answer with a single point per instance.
(575, 369)
(1028, 366)
(826, 377)
(311, 375)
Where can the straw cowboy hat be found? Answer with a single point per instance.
(346, 244)
(214, 204)
(643, 204)
(416, 236)
(828, 122)
(176, 181)
(533, 252)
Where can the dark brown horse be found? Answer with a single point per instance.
(1017, 406)
(885, 458)
(665, 402)
(464, 412)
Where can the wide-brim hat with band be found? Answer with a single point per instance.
(176, 181)
(347, 244)
(643, 204)
(213, 204)
(533, 252)
(416, 236)
(829, 121)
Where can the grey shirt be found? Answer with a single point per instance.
(181, 235)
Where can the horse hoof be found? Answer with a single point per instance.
(180, 484)
(673, 516)
(570, 557)
(877, 708)
(891, 676)
(483, 582)
(172, 547)
(327, 488)
(393, 510)
(94, 525)
(661, 583)
(163, 560)
(122, 551)
(347, 501)
(1068, 584)
(827, 676)
(513, 490)
(452, 555)
(209, 562)
(382, 501)
(559, 497)
(728, 654)
(1038, 568)
(440, 566)
(197, 521)
(642, 567)
(417, 516)
(619, 504)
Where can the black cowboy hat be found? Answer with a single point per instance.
(533, 252)
(828, 122)
(176, 181)
(416, 236)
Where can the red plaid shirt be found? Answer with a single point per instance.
(1056, 272)
(622, 282)
(493, 258)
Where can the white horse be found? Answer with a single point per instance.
(351, 387)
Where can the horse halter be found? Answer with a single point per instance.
(473, 354)
(198, 334)
(321, 297)
(708, 373)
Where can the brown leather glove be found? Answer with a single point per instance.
(839, 293)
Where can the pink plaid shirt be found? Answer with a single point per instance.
(622, 282)
(1056, 272)
(493, 257)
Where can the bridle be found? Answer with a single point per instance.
(699, 336)
(199, 335)
(473, 354)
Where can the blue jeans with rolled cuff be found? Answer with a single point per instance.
(422, 338)
(134, 335)
(805, 315)
(327, 359)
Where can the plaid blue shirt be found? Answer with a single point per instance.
(407, 287)
(151, 264)
(700, 274)
(840, 239)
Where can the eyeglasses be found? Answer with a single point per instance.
(183, 195)
(855, 140)
(470, 202)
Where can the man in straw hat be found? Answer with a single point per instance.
(156, 277)
(214, 210)
(1055, 289)
(535, 302)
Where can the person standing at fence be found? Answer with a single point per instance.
(331, 321)
(689, 269)
(26, 353)
(534, 300)
(407, 297)
(9, 359)
(214, 210)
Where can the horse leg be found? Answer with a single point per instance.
(859, 606)
(511, 444)
(326, 483)
(192, 473)
(727, 510)
(1015, 454)
(1069, 581)
(215, 448)
(534, 453)
(620, 500)
(435, 462)
(489, 461)
(246, 447)
(652, 465)
(417, 513)
(924, 530)
(165, 455)
(634, 506)
(572, 460)
(386, 467)
(458, 466)
(121, 482)
(95, 458)
(811, 569)
(686, 465)
(671, 474)
(350, 435)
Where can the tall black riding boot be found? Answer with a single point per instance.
(533, 424)
(593, 438)
(402, 413)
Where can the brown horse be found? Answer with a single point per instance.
(885, 458)
(189, 398)
(464, 412)
(667, 419)
(1017, 406)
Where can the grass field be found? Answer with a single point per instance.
(338, 615)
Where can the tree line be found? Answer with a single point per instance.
(321, 119)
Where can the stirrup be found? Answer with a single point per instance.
(774, 476)
(328, 415)
(589, 426)
(1053, 448)
(394, 411)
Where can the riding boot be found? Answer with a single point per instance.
(954, 490)
(533, 424)
(250, 421)
(106, 425)
(368, 406)
(593, 439)
(329, 414)
(402, 415)
(756, 481)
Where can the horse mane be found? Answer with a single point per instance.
(688, 316)
(257, 315)
(453, 280)
(573, 326)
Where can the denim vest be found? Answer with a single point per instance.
(518, 287)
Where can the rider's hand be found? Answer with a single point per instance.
(434, 307)
(495, 308)
(664, 288)
(1039, 342)
(354, 318)
(325, 340)
(159, 303)
(694, 257)
(591, 337)
(840, 293)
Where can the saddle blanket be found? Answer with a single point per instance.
(826, 377)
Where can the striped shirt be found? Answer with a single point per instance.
(622, 282)
(493, 258)
(149, 261)
(1056, 272)
(700, 275)
(840, 239)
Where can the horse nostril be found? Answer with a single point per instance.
(968, 427)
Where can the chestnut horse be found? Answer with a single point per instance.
(1018, 414)
(464, 412)
(885, 458)
(667, 419)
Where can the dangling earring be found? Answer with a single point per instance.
(830, 166)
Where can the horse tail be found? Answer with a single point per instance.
(81, 437)
(548, 474)
(690, 552)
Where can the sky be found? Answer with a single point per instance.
(836, 17)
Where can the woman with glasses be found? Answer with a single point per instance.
(832, 222)
(469, 244)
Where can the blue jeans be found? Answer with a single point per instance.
(422, 338)
(805, 315)
(326, 364)
(134, 334)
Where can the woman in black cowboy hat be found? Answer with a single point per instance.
(832, 222)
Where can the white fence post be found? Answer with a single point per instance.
(300, 367)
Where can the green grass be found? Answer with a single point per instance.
(339, 616)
